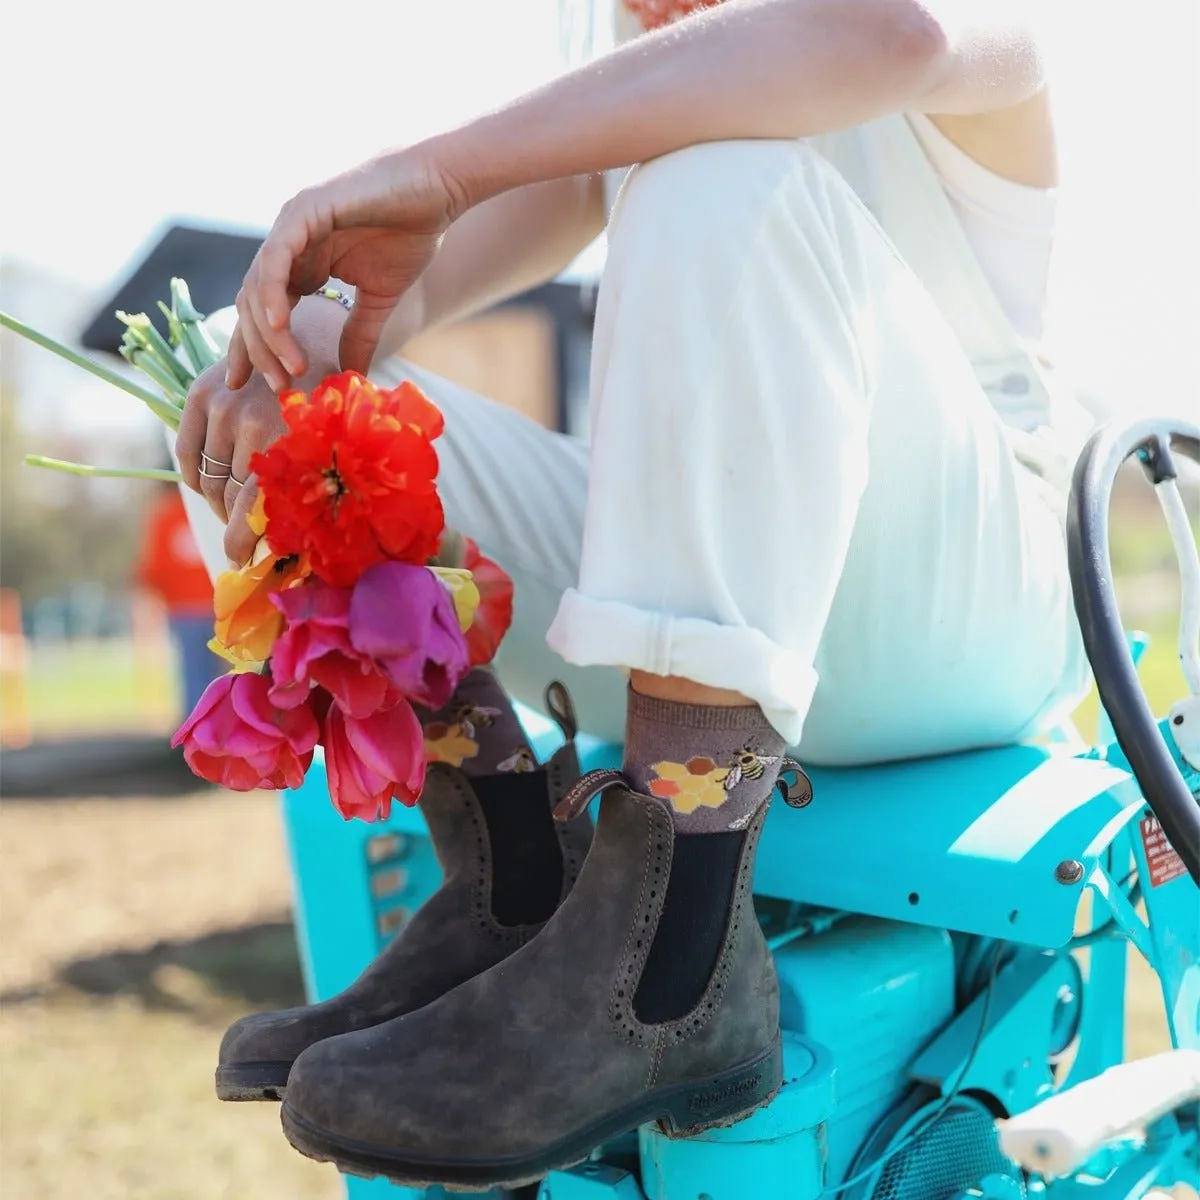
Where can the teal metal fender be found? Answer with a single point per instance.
(998, 843)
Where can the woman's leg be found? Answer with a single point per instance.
(796, 476)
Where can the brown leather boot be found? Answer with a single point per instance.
(503, 857)
(529, 1066)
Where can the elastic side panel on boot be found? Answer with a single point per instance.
(527, 869)
(695, 913)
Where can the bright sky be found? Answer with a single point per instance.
(115, 122)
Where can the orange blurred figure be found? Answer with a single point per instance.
(170, 567)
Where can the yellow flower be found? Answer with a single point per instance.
(698, 783)
(448, 744)
(247, 623)
(460, 584)
(256, 518)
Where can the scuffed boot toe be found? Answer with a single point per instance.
(257, 1053)
(330, 1101)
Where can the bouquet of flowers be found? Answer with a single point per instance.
(357, 604)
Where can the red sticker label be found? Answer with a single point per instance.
(1162, 861)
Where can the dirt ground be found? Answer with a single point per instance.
(133, 931)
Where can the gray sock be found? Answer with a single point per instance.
(478, 730)
(711, 767)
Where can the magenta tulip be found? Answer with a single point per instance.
(236, 737)
(403, 617)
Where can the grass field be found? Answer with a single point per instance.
(134, 929)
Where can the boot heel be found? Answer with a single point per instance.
(726, 1098)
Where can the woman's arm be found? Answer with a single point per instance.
(746, 69)
(507, 245)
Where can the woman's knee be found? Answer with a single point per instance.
(711, 192)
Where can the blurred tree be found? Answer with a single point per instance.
(59, 530)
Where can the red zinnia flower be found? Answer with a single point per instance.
(352, 481)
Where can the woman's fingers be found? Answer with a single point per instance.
(258, 425)
(189, 439)
(259, 353)
(240, 539)
(216, 459)
(288, 264)
(252, 437)
(362, 331)
(238, 367)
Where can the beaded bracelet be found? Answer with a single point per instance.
(334, 294)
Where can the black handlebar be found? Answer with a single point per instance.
(1138, 735)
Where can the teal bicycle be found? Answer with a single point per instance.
(952, 968)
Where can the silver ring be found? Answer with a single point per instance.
(211, 475)
(234, 479)
(216, 462)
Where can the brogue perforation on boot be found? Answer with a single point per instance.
(452, 937)
(529, 1066)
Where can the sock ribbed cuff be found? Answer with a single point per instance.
(742, 718)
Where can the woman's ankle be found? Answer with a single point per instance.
(684, 691)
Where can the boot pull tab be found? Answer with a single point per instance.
(584, 790)
(560, 706)
(794, 785)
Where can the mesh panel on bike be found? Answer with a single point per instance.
(955, 1153)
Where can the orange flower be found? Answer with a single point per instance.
(247, 622)
(352, 482)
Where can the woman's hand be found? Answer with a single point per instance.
(222, 429)
(376, 227)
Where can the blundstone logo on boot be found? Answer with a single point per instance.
(705, 1100)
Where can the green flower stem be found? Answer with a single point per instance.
(74, 468)
(147, 362)
(163, 409)
(196, 341)
(140, 333)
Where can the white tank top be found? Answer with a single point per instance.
(1010, 226)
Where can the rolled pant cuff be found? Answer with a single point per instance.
(589, 632)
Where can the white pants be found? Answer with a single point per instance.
(795, 486)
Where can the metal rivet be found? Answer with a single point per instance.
(1070, 870)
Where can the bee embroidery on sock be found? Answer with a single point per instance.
(521, 761)
(470, 717)
(747, 763)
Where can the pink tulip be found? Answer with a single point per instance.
(236, 737)
(371, 760)
(395, 633)
(403, 616)
(316, 647)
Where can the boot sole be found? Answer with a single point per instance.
(252, 1080)
(682, 1111)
